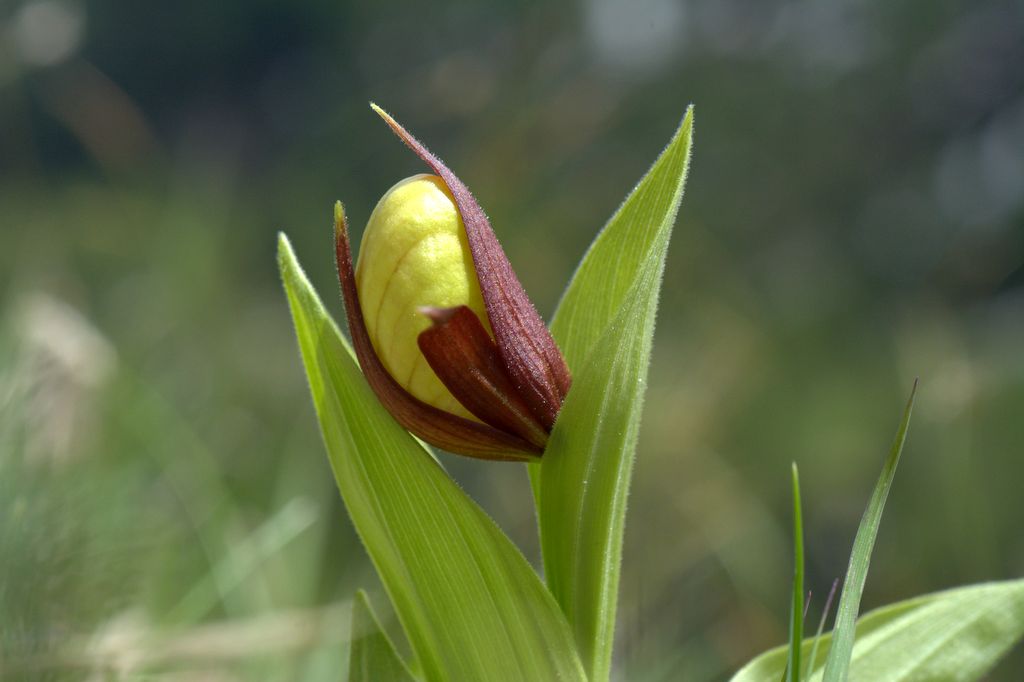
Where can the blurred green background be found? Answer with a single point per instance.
(854, 218)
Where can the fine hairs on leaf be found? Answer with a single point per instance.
(604, 326)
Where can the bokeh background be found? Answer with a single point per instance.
(854, 218)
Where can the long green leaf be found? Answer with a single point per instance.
(955, 636)
(838, 660)
(373, 658)
(470, 604)
(604, 325)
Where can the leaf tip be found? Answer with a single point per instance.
(285, 256)
(687, 122)
(910, 403)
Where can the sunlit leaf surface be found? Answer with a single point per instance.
(956, 635)
(470, 604)
(604, 326)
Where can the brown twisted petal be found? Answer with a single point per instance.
(437, 427)
(465, 359)
(525, 345)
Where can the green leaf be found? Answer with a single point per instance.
(373, 658)
(796, 616)
(838, 660)
(955, 636)
(604, 326)
(471, 606)
(633, 241)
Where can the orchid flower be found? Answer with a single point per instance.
(441, 326)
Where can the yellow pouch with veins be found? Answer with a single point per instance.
(415, 253)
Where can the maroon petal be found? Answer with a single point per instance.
(526, 347)
(437, 427)
(465, 359)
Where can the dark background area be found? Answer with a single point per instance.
(854, 218)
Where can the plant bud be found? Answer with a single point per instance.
(443, 331)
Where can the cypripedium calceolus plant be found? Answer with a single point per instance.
(449, 343)
(441, 326)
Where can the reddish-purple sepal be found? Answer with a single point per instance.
(465, 359)
(437, 427)
(525, 345)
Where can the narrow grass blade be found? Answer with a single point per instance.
(796, 616)
(838, 661)
(956, 635)
(605, 326)
(373, 658)
(470, 604)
